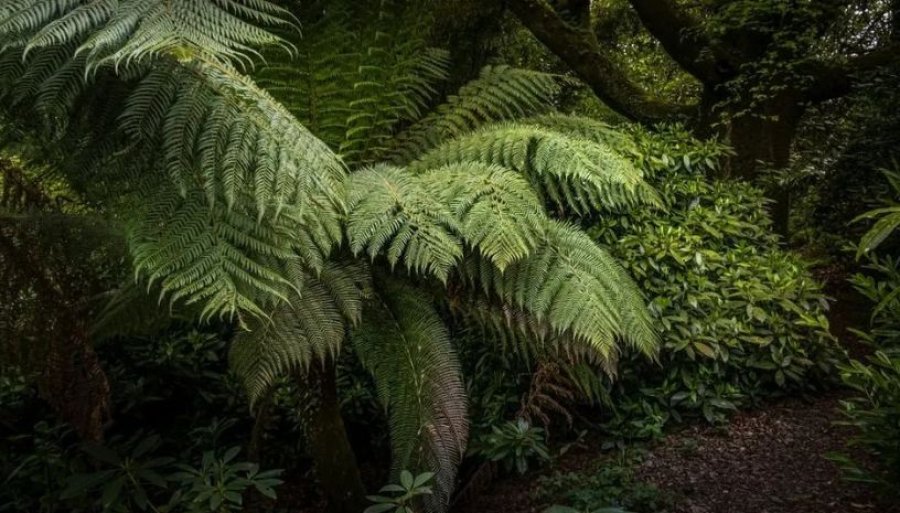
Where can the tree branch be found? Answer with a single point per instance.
(579, 48)
(835, 80)
(684, 40)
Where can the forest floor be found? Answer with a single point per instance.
(767, 461)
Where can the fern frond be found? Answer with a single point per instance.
(316, 84)
(501, 93)
(221, 259)
(358, 74)
(391, 212)
(311, 326)
(223, 143)
(577, 288)
(497, 212)
(403, 343)
(118, 32)
(516, 331)
(585, 128)
(573, 173)
(211, 119)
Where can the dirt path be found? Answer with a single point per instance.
(767, 461)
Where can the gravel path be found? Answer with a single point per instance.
(769, 461)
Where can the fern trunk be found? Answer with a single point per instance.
(335, 463)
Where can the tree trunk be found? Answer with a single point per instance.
(763, 141)
(333, 457)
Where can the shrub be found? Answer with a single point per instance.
(403, 496)
(741, 318)
(876, 413)
(514, 444)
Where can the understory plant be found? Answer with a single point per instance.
(875, 411)
(608, 485)
(741, 318)
(312, 204)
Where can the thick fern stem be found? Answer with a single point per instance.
(333, 457)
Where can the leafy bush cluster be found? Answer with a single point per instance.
(741, 319)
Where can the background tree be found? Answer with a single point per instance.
(760, 64)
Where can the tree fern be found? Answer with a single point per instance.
(237, 194)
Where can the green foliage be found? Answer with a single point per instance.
(407, 349)
(405, 494)
(117, 33)
(515, 444)
(880, 284)
(219, 483)
(32, 465)
(501, 93)
(875, 411)
(876, 414)
(572, 173)
(887, 219)
(740, 318)
(177, 387)
(133, 481)
(608, 486)
(124, 478)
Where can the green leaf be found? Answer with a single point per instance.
(704, 349)
(406, 479)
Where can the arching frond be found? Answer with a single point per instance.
(311, 326)
(405, 346)
(501, 93)
(585, 128)
(497, 212)
(577, 288)
(131, 31)
(220, 132)
(254, 187)
(574, 173)
(516, 331)
(221, 259)
(392, 213)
